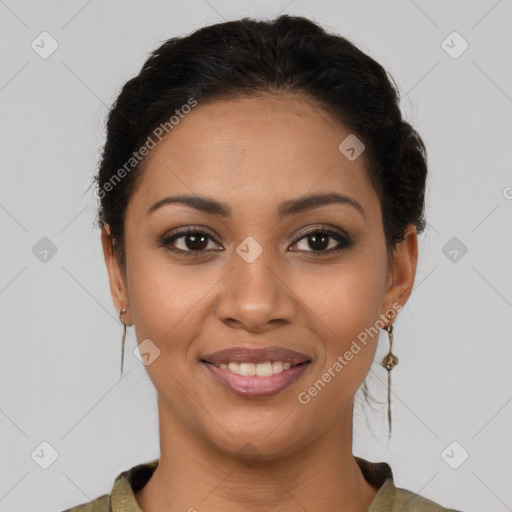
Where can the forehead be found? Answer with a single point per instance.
(254, 150)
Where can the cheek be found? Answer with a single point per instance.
(348, 296)
(158, 295)
(166, 300)
(345, 303)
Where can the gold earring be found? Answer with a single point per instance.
(121, 313)
(389, 362)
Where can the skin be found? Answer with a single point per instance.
(254, 153)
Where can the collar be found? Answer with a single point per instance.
(128, 482)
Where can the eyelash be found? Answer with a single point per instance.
(344, 241)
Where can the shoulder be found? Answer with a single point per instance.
(412, 502)
(121, 496)
(100, 504)
(390, 498)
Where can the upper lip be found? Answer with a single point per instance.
(259, 355)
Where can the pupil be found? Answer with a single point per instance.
(194, 240)
(323, 244)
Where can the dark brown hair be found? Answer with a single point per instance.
(246, 57)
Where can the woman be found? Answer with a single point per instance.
(260, 202)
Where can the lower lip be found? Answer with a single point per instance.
(256, 387)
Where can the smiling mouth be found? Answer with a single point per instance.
(265, 369)
(255, 372)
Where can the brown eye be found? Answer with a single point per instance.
(195, 241)
(187, 240)
(321, 240)
(318, 241)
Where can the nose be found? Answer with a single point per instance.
(255, 296)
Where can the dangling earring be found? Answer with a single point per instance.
(389, 362)
(121, 313)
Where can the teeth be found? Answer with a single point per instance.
(277, 367)
(234, 367)
(260, 369)
(247, 369)
(264, 369)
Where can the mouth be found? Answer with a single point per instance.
(256, 373)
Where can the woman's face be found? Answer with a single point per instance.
(261, 275)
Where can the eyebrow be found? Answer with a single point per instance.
(286, 209)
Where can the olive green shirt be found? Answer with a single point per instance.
(388, 499)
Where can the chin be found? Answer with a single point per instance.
(252, 445)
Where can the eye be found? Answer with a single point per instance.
(319, 241)
(194, 240)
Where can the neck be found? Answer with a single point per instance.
(193, 475)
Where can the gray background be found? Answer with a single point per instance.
(60, 336)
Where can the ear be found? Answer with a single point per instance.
(115, 275)
(402, 271)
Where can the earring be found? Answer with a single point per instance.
(389, 362)
(121, 313)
